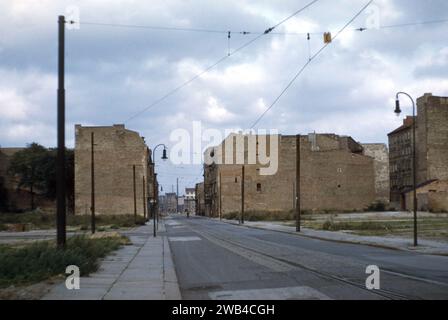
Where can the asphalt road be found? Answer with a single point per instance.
(217, 260)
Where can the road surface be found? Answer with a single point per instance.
(217, 260)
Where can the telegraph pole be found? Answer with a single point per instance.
(153, 207)
(60, 160)
(298, 183)
(92, 176)
(177, 195)
(135, 195)
(242, 194)
(144, 198)
(220, 196)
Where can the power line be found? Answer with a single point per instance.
(204, 30)
(414, 24)
(218, 62)
(307, 64)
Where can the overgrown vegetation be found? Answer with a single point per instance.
(359, 225)
(35, 167)
(41, 260)
(42, 220)
(429, 227)
(266, 215)
(3, 195)
(377, 206)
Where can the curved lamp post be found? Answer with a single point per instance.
(154, 200)
(414, 171)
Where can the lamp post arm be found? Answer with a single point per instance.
(412, 100)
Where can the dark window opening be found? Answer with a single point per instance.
(259, 187)
(236, 179)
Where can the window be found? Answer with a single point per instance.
(258, 187)
(236, 179)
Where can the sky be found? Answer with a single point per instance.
(114, 72)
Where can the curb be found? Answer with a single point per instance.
(170, 281)
(338, 240)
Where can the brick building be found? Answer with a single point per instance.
(431, 150)
(200, 199)
(116, 151)
(169, 203)
(190, 200)
(336, 175)
(380, 154)
(400, 160)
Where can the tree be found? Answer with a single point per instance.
(35, 167)
(27, 165)
(3, 195)
(49, 181)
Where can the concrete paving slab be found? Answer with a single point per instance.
(141, 271)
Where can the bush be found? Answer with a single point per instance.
(262, 215)
(378, 206)
(42, 260)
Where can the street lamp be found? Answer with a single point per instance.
(414, 171)
(154, 193)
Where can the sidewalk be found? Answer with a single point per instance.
(141, 271)
(425, 246)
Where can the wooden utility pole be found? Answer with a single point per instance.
(135, 195)
(220, 196)
(242, 195)
(60, 160)
(177, 195)
(144, 198)
(92, 182)
(298, 183)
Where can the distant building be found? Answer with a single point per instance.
(116, 151)
(181, 204)
(170, 203)
(200, 200)
(190, 200)
(336, 175)
(432, 156)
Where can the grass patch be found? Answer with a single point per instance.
(267, 215)
(361, 225)
(27, 264)
(43, 220)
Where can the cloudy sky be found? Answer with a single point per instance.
(113, 73)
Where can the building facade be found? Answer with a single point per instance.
(380, 154)
(335, 175)
(200, 199)
(190, 200)
(431, 155)
(400, 161)
(117, 153)
(169, 203)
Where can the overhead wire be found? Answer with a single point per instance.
(171, 92)
(307, 64)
